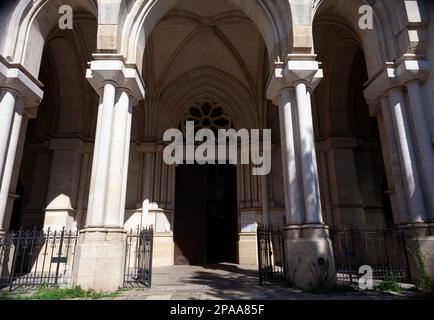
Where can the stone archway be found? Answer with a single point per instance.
(58, 59)
(32, 23)
(274, 22)
(200, 50)
(354, 186)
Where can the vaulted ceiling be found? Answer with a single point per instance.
(208, 40)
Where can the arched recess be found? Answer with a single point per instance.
(353, 176)
(55, 168)
(198, 50)
(215, 84)
(30, 25)
(272, 18)
(378, 44)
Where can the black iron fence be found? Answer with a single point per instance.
(383, 250)
(271, 253)
(138, 258)
(32, 258)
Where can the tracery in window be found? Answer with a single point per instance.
(207, 115)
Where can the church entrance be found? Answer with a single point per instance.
(205, 226)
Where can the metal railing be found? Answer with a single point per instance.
(138, 258)
(271, 254)
(384, 250)
(33, 258)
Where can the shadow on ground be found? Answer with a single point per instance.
(233, 282)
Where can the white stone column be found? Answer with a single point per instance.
(423, 139)
(96, 207)
(18, 90)
(16, 171)
(408, 134)
(100, 252)
(294, 208)
(402, 216)
(10, 160)
(407, 155)
(409, 167)
(119, 157)
(309, 168)
(7, 109)
(307, 243)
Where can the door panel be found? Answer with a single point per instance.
(190, 215)
(205, 229)
(221, 217)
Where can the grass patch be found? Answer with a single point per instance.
(390, 284)
(44, 292)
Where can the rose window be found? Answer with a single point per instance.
(207, 116)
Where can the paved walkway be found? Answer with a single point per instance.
(230, 282)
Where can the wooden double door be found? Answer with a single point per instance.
(205, 226)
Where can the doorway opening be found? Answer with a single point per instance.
(205, 226)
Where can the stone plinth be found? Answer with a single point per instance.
(163, 251)
(419, 241)
(309, 254)
(99, 259)
(247, 249)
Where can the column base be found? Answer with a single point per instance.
(6, 257)
(163, 253)
(247, 249)
(419, 240)
(309, 257)
(100, 259)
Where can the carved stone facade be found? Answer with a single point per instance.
(83, 113)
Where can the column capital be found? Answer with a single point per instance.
(112, 68)
(296, 68)
(411, 68)
(16, 78)
(399, 73)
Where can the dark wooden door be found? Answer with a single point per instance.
(205, 229)
(190, 217)
(222, 236)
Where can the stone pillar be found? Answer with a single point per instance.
(393, 166)
(19, 93)
(16, 171)
(264, 200)
(100, 252)
(420, 237)
(147, 181)
(82, 188)
(412, 186)
(7, 108)
(403, 113)
(10, 156)
(310, 262)
(291, 179)
(309, 169)
(418, 118)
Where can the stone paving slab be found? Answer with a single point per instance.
(231, 282)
